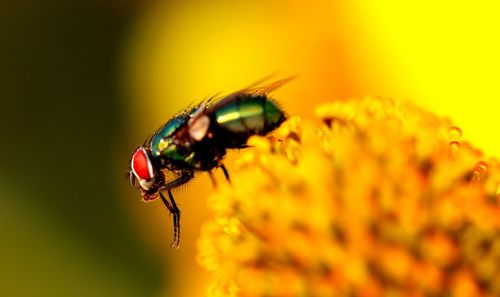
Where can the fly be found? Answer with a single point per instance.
(197, 139)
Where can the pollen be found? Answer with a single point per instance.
(381, 198)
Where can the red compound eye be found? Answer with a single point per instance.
(141, 165)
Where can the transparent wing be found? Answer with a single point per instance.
(265, 89)
(214, 103)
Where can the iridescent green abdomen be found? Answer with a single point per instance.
(238, 118)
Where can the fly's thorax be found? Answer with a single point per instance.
(164, 136)
(202, 155)
(178, 155)
(185, 141)
(176, 151)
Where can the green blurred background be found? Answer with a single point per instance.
(83, 82)
(63, 229)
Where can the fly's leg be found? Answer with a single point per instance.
(226, 174)
(172, 206)
(212, 178)
(177, 221)
(182, 179)
(174, 210)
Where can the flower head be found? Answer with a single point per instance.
(381, 199)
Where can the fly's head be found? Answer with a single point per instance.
(145, 173)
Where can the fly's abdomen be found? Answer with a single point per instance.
(245, 115)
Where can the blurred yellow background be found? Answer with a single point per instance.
(84, 82)
(442, 55)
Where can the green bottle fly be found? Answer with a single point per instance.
(197, 139)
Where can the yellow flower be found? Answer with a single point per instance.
(381, 199)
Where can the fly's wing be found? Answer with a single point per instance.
(266, 89)
(214, 103)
